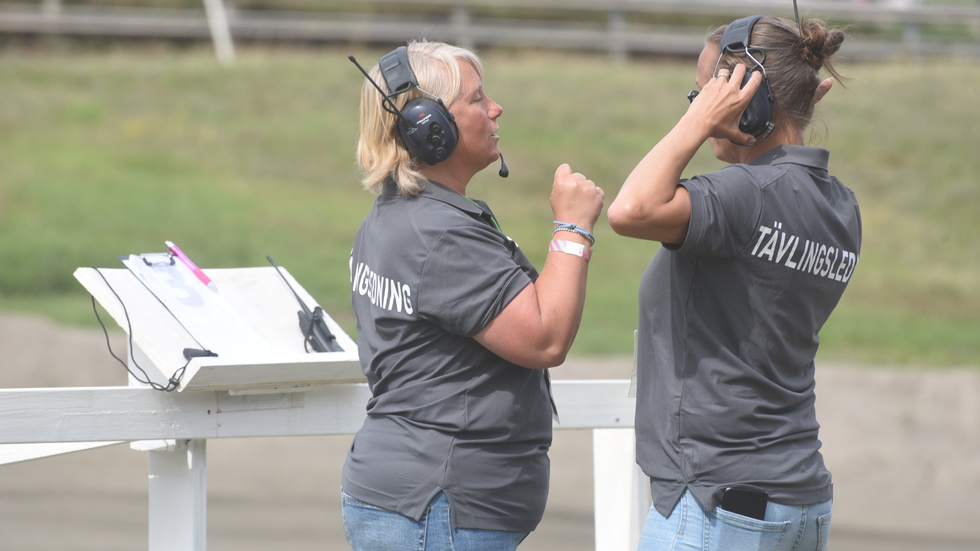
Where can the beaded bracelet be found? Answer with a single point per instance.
(568, 226)
(572, 248)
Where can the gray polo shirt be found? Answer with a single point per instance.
(447, 415)
(728, 331)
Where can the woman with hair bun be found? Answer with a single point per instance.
(754, 259)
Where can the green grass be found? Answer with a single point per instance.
(110, 153)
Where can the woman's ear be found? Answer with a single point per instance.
(822, 89)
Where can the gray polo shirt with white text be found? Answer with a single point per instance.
(728, 331)
(447, 415)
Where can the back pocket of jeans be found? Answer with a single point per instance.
(823, 532)
(741, 532)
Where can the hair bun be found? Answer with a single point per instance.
(817, 42)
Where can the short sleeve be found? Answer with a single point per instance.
(468, 278)
(725, 210)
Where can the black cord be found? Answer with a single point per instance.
(310, 337)
(174, 381)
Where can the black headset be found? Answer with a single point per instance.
(757, 117)
(427, 128)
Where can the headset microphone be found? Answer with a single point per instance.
(504, 171)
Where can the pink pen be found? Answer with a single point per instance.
(175, 250)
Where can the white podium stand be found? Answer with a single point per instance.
(251, 322)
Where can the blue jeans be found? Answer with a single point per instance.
(370, 528)
(690, 528)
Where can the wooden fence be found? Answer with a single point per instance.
(882, 29)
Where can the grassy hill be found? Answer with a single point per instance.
(111, 153)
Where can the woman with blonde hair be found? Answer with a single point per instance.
(455, 326)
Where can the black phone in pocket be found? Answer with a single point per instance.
(745, 501)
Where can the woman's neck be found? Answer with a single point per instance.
(782, 135)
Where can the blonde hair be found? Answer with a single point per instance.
(381, 154)
(794, 56)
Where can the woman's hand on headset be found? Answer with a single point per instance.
(721, 101)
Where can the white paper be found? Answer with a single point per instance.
(208, 317)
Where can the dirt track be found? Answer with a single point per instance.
(903, 446)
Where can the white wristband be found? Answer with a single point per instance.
(572, 248)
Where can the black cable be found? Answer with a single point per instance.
(174, 381)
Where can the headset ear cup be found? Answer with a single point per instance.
(428, 130)
(758, 115)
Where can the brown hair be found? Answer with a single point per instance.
(794, 56)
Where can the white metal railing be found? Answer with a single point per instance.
(174, 429)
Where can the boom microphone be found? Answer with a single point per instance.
(504, 171)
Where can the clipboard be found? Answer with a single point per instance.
(203, 312)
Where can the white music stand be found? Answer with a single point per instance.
(250, 322)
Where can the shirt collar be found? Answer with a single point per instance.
(816, 157)
(438, 192)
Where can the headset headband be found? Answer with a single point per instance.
(397, 71)
(736, 36)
